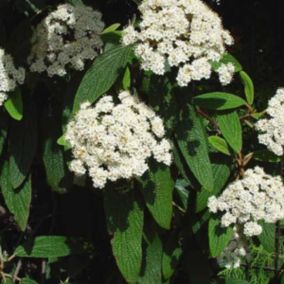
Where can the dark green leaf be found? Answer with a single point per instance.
(45, 247)
(218, 237)
(267, 237)
(14, 105)
(17, 200)
(266, 156)
(28, 280)
(219, 144)
(236, 281)
(249, 87)
(182, 192)
(231, 129)
(151, 271)
(218, 101)
(157, 190)
(102, 75)
(125, 220)
(192, 142)
(221, 173)
(23, 143)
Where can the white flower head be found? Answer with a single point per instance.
(66, 38)
(272, 128)
(256, 197)
(10, 76)
(185, 34)
(114, 141)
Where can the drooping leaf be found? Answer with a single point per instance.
(157, 190)
(17, 200)
(249, 87)
(218, 237)
(192, 142)
(221, 173)
(102, 75)
(14, 105)
(218, 101)
(219, 144)
(231, 129)
(23, 143)
(152, 264)
(45, 247)
(125, 218)
(267, 237)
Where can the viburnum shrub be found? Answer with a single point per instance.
(134, 153)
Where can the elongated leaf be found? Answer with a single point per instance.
(126, 82)
(152, 269)
(218, 101)
(218, 237)
(111, 28)
(267, 237)
(14, 105)
(192, 142)
(45, 247)
(221, 173)
(157, 190)
(219, 144)
(17, 200)
(125, 221)
(249, 87)
(102, 75)
(23, 143)
(28, 280)
(231, 129)
(266, 156)
(3, 135)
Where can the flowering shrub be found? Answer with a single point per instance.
(138, 151)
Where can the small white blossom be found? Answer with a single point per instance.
(185, 34)
(256, 197)
(226, 73)
(272, 128)
(66, 38)
(10, 76)
(233, 254)
(113, 141)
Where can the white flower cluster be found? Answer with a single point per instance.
(272, 128)
(233, 254)
(185, 34)
(114, 141)
(258, 196)
(10, 76)
(67, 37)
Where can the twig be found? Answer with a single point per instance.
(18, 268)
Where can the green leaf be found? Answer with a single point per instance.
(62, 142)
(45, 247)
(111, 28)
(221, 174)
(267, 237)
(28, 280)
(227, 58)
(157, 190)
(23, 143)
(126, 81)
(171, 256)
(76, 2)
(125, 220)
(249, 87)
(182, 192)
(218, 101)
(219, 144)
(266, 156)
(218, 237)
(236, 281)
(192, 142)
(102, 75)
(14, 105)
(3, 136)
(17, 200)
(230, 126)
(151, 270)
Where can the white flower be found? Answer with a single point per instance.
(272, 128)
(10, 76)
(233, 254)
(66, 38)
(185, 34)
(113, 141)
(256, 197)
(226, 73)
